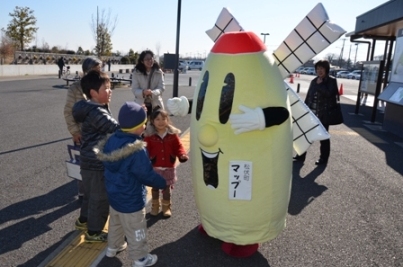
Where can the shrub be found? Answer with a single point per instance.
(125, 60)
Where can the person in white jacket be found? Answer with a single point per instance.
(148, 82)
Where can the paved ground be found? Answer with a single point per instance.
(345, 214)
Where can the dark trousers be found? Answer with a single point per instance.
(324, 148)
(95, 205)
(60, 71)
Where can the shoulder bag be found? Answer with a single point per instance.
(148, 99)
(335, 116)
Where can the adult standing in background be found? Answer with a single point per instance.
(109, 64)
(75, 94)
(61, 64)
(321, 97)
(148, 82)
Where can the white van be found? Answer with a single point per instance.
(196, 65)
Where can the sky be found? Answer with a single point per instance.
(152, 24)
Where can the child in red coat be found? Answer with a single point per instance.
(164, 146)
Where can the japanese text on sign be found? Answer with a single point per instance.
(240, 180)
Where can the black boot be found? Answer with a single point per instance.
(300, 158)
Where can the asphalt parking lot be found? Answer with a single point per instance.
(347, 213)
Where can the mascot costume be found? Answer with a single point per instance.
(244, 124)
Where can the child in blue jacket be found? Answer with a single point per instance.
(127, 170)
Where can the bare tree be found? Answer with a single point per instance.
(6, 47)
(45, 46)
(103, 27)
(157, 49)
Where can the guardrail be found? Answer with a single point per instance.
(23, 70)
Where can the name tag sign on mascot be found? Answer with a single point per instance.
(241, 144)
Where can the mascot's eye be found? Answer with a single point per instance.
(202, 94)
(227, 97)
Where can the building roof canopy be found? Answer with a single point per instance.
(380, 23)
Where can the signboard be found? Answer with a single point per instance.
(397, 95)
(397, 68)
(370, 83)
(393, 93)
(369, 76)
(169, 61)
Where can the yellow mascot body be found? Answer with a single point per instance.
(242, 179)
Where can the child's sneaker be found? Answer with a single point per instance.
(148, 260)
(101, 237)
(111, 252)
(80, 226)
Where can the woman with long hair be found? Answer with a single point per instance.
(148, 82)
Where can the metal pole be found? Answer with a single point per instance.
(349, 53)
(341, 54)
(97, 35)
(356, 50)
(388, 63)
(373, 49)
(264, 36)
(176, 71)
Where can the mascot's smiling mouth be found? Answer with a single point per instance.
(210, 170)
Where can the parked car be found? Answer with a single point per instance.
(342, 74)
(355, 75)
(309, 70)
(183, 65)
(196, 65)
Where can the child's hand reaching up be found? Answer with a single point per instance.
(183, 158)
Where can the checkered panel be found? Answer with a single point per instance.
(311, 36)
(225, 23)
(306, 127)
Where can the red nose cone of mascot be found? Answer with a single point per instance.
(238, 43)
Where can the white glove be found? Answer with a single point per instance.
(178, 106)
(250, 120)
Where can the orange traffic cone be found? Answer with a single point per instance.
(291, 78)
(341, 90)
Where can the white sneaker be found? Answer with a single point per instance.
(149, 260)
(111, 252)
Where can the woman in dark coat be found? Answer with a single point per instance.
(321, 97)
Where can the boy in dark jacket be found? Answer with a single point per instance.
(127, 170)
(96, 122)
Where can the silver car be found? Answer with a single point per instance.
(342, 74)
(355, 75)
